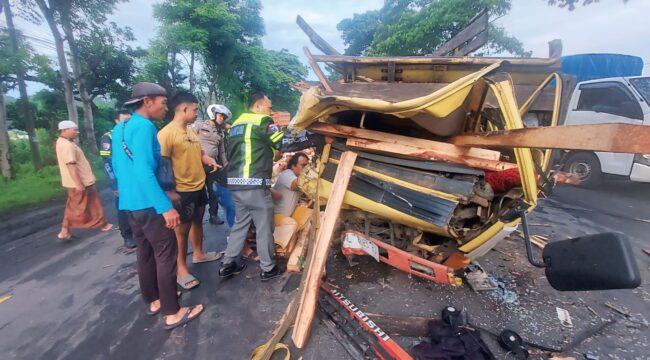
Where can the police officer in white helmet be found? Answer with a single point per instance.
(212, 136)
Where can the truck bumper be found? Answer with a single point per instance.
(640, 173)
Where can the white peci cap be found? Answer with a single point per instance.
(67, 124)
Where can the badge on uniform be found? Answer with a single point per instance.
(106, 146)
(273, 128)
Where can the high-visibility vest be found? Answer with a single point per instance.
(252, 142)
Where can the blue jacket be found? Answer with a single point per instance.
(136, 179)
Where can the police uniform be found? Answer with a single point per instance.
(122, 216)
(252, 142)
(213, 143)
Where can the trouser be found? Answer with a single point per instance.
(123, 221)
(156, 253)
(213, 198)
(254, 206)
(225, 199)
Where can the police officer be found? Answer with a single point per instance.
(105, 153)
(212, 136)
(253, 140)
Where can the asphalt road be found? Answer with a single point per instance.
(80, 300)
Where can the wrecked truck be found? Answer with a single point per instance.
(430, 207)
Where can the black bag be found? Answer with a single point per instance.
(164, 172)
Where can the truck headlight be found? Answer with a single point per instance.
(643, 159)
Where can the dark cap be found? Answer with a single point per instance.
(145, 89)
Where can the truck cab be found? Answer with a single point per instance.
(609, 100)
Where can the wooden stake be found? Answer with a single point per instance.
(309, 296)
(293, 265)
(620, 138)
(319, 73)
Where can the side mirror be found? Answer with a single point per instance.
(593, 262)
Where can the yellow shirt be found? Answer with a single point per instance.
(68, 152)
(182, 146)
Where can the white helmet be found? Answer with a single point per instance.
(215, 109)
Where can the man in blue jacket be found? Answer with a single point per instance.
(150, 211)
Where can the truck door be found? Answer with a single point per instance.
(607, 102)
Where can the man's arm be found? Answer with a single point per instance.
(72, 168)
(144, 167)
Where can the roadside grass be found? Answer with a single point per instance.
(31, 187)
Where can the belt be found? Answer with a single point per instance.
(249, 181)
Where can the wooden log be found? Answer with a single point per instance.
(406, 151)
(619, 138)
(315, 39)
(443, 147)
(473, 45)
(299, 251)
(433, 60)
(309, 296)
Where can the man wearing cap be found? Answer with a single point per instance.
(151, 213)
(84, 208)
(212, 137)
(105, 152)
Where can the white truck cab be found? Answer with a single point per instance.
(610, 100)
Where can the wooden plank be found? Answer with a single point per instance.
(348, 131)
(473, 45)
(299, 251)
(433, 60)
(319, 73)
(412, 326)
(619, 138)
(315, 39)
(406, 151)
(476, 26)
(309, 296)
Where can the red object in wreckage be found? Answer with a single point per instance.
(384, 340)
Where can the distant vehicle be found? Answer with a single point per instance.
(607, 92)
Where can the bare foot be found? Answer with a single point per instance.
(172, 319)
(108, 227)
(64, 234)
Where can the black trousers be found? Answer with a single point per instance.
(156, 253)
(123, 221)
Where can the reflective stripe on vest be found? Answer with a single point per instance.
(249, 120)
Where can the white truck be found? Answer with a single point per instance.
(609, 100)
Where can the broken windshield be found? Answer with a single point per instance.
(642, 85)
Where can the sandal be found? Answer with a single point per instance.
(112, 228)
(155, 312)
(187, 279)
(185, 319)
(209, 256)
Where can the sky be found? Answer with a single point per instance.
(610, 26)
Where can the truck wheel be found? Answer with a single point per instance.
(586, 166)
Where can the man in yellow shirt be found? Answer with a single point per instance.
(84, 208)
(181, 144)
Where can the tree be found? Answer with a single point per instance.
(17, 62)
(49, 13)
(571, 4)
(418, 27)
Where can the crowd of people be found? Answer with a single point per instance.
(163, 181)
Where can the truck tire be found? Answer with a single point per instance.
(586, 166)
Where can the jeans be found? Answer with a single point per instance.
(225, 199)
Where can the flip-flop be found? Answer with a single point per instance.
(64, 238)
(152, 313)
(209, 256)
(184, 320)
(187, 279)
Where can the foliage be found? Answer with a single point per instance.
(107, 61)
(418, 27)
(30, 187)
(571, 4)
(20, 152)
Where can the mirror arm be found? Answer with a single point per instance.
(529, 247)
